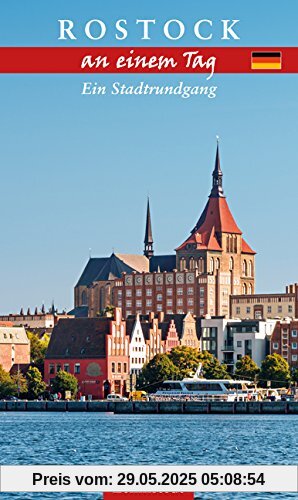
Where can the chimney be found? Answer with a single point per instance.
(151, 316)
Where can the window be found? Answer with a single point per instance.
(294, 333)
(231, 264)
(190, 302)
(169, 302)
(244, 268)
(77, 368)
(190, 291)
(179, 302)
(84, 298)
(119, 367)
(179, 291)
(269, 309)
(294, 357)
(148, 302)
(182, 264)
(217, 264)
(159, 307)
(191, 263)
(201, 265)
(139, 292)
(170, 291)
(119, 293)
(275, 345)
(290, 309)
(58, 368)
(250, 268)
(294, 345)
(248, 310)
(238, 310)
(159, 297)
(128, 303)
(202, 302)
(279, 309)
(202, 292)
(66, 367)
(128, 293)
(211, 265)
(51, 369)
(239, 343)
(113, 368)
(244, 289)
(149, 292)
(249, 289)
(125, 367)
(138, 303)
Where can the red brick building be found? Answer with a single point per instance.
(14, 347)
(284, 341)
(212, 264)
(94, 350)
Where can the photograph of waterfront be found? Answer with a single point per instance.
(149, 298)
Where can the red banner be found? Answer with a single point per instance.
(148, 496)
(145, 60)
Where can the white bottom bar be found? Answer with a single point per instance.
(154, 478)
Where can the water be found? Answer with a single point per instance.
(105, 438)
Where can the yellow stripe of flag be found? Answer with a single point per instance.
(269, 65)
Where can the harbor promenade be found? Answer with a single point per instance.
(154, 407)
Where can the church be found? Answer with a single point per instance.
(212, 264)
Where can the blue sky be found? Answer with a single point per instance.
(76, 170)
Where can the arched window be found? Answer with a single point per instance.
(228, 244)
(244, 268)
(113, 368)
(101, 299)
(250, 268)
(235, 244)
(231, 264)
(244, 289)
(182, 264)
(217, 264)
(201, 265)
(211, 265)
(249, 289)
(191, 264)
(84, 298)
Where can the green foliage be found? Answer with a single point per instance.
(160, 368)
(65, 381)
(38, 349)
(108, 312)
(21, 383)
(246, 368)
(36, 386)
(186, 360)
(275, 368)
(7, 384)
(294, 375)
(212, 367)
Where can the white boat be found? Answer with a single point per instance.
(207, 390)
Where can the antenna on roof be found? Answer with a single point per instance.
(217, 139)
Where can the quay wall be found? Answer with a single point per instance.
(154, 407)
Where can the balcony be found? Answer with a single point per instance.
(228, 348)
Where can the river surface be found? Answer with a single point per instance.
(105, 438)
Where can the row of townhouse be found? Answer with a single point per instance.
(106, 354)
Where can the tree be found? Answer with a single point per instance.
(212, 367)
(276, 369)
(186, 360)
(294, 375)
(246, 368)
(65, 381)
(160, 368)
(38, 349)
(36, 386)
(20, 382)
(7, 385)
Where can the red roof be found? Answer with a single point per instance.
(215, 219)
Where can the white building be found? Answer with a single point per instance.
(230, 340)
(137, 348)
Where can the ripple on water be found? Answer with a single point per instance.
(97, 438)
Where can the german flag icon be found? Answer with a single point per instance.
(266, 60)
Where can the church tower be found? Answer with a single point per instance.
(216, 249)
(148, 241)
